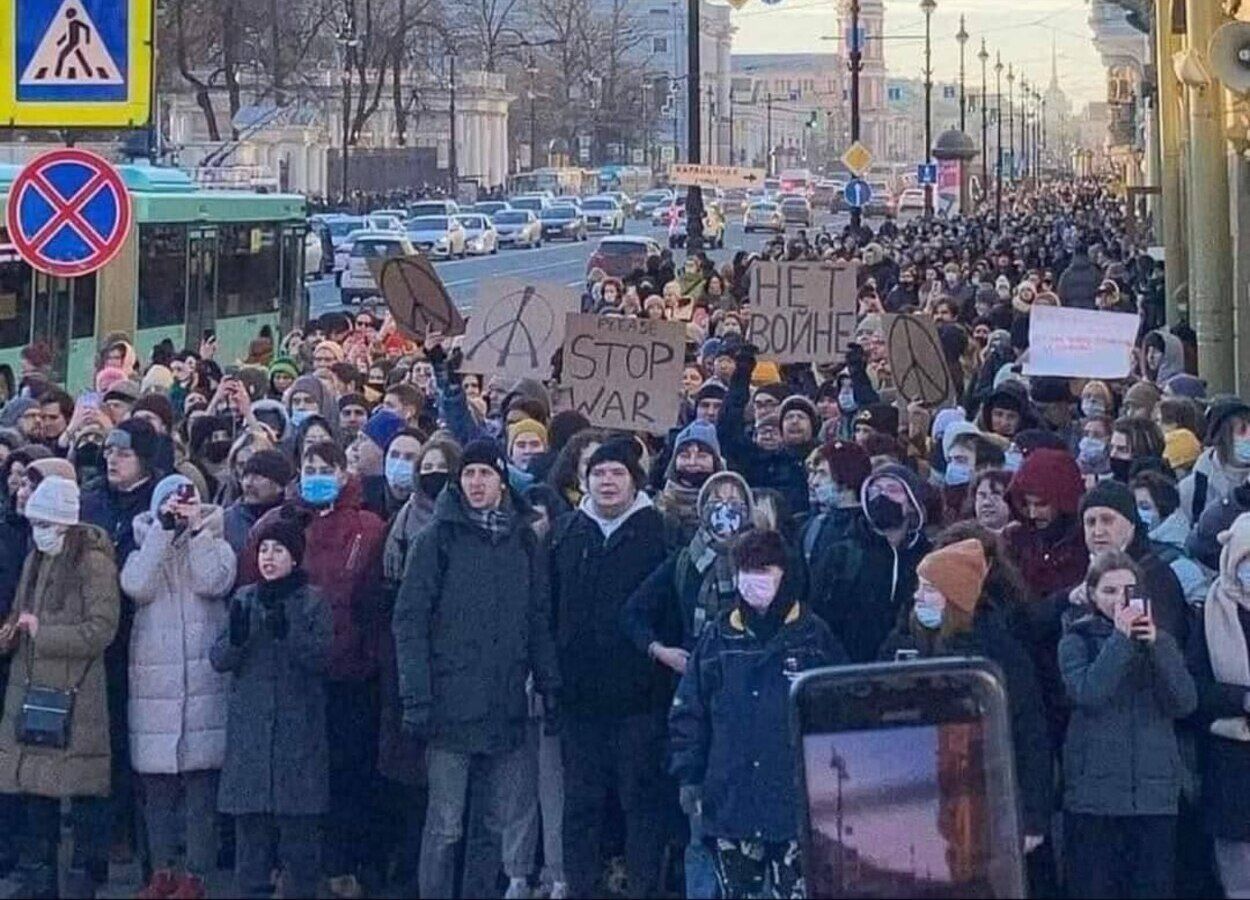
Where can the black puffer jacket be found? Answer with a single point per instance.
(472, 621)
(602, 672)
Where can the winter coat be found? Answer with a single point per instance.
(1079, 282)
(1173, 361)
(591, 579)
(15, 539)
(1051, 559)
(1220, 478)
(75, 597)
(237, 521)
(991, 638)
(343, 559)
(1121, 756)
(277, 752)
(177, 711)
(729, 722)
(1170, 535)
(781, 470)
(472, 621)
(1203, 543)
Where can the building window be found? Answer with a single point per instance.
(948, 92)
(896, 93)
(659, 45)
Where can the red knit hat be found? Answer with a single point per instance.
(1051, 475)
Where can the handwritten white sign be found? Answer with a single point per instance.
(1080, 343)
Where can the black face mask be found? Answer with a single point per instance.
(885, 514)
(432, 483)
(216, 451)
(89, 455)
(1120, 469)
(694, 480)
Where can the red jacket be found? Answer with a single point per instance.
(343, 558)
(1050, 560)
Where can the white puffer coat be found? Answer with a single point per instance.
(178, 701)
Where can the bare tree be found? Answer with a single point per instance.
(488, 26)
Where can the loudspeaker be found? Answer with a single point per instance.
(1230, 56)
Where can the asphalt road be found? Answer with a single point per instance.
(558, 263)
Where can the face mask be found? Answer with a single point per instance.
(1013, 460)
(758, 589)
(952, 280)
(299, 417)
(1092, 449)
(693, 479)
(846, 401)
(1149, 517)
(89, 455)
(1120, 469)
(216, 451)
(1091, 408)
(929, 615)
(399, 473)
(1243, 574)
(1004, 293)
(49, 539)
(319, 490)
(1241, 450)
(825, 494)
(725, 519)
(885, 514)
(958, 474)
(432, 483)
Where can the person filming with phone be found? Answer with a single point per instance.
(1126, 680)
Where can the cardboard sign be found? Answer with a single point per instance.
(625, 373)
(801, 311)
(517, 328)
(416, 297)
(917, 361)
(1081, 343)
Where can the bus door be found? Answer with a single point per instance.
(293, 295)
(63, 317)
(201, 283)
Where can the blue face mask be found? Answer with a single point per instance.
(1149, 517)
(958, 474)
(1092, 449)
(399, 473)
(846, 401)
(299, 417)
(1241, 450)
(319, 490)
(929, 617)
(1013, 460)
(1243, 574)
(825, 494)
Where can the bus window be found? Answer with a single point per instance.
(248, 269)
(15, 305)
(162, 275)
(82, 314)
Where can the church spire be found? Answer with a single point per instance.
(1054, 64)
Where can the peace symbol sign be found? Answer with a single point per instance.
(918, 362)
(417, 298)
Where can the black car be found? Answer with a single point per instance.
(563, 222)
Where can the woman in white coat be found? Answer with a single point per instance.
(179, 578)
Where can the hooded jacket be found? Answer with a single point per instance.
(177, 709)
(859, 581)
(1054, 557)
(1173, 361)
(1079, 282)
(1221, 480)
(472, 621)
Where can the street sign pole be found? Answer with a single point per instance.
(856, 63)
(694, 154)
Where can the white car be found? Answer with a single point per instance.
(518, 228)
(603, 214)
(763, 215)
(433, 208)
(438, 237)
(911, 202)
(313, 254)
(479, 234)
(357, 280)
(343, 248)
(385, 222)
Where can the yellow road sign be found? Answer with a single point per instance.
(75, 63)
(723, 177)
(857, 158)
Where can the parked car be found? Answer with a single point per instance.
(563, 222)
(518, 228)
(343, 249)
(911, 202)
(479, 234)
(734, 202)
(490, 207)
(339, 228)
(385, 222)
(626, 202)
(533, 203)
(764, 215)
(401, 214)
(797, 209)
(433, 208)
(882, 202)
(439, 237)
(604, 213)
(650, 200)
(357, 280)
(618, 256)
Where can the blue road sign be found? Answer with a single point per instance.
(926, 173)
(72, 50)
(857, 192)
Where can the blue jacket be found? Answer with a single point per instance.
(729, 728)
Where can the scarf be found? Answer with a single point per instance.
(495, 522)
(680, 501)
(1226, 644)
(717, 590)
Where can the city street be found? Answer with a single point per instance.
(560, 263)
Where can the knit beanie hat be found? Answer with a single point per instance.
(140, 437)
(1112, 495)
(126, 390)
(107, 377)
(1143, 395)
(564, 425)
(880, 417)
(849, 463)
(958, 572)
(353, 399)
(767, 374)
(799, 403)
(1185, 385)
(484, 452)
(159, 379)
(698, 432)
(768, 420)
(55, 501)
(332, 347)
(711, 390)
(158, 405)
(383, 425)
(287, 530)
(619, 450)
(271, 465)
(54, 467)
(15, 409)
(284, 365)
(1181, 448)
(164, 488)
(526, 426)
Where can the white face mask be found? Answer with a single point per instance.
(49, 539)
(758, 589)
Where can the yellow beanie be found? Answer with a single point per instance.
(766, 372)
(526, 426)
(1181, 448)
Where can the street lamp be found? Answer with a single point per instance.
(1024, 126)
(998, 117)
(1011, 117)
(927, 7)
(856, 65)
(531, 69)
(962, 37)
(347, 42)
(984, 56)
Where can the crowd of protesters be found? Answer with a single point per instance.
(347, 620)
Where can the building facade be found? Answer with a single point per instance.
(789, 109)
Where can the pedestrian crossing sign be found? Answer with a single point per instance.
(75, 63)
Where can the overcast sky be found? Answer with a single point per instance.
(1021, 29)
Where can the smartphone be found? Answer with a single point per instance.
(1139, 602)
(185, 493)
(90, 399)
(906, 654)
(907, 781)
